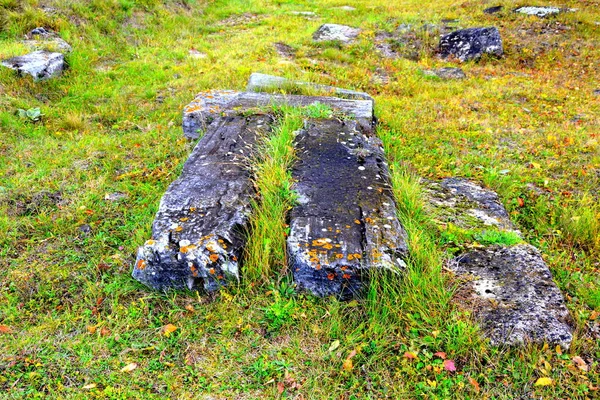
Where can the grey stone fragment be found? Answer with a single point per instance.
(493, 10)
(309, 14)
(260, 82)
(342, 33)
(198, 232)
(209, 107)
(345, 222)
(517, 301)
(446, 73)
(45, 39)
(466, 204)
(471, 44)
(538, 11)
(39, 64)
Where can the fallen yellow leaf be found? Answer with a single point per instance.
(168, 329)
(90, 386)
(334, 345)
(129, 367)
(347, 365)
(545, 381)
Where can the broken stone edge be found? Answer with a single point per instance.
(211, 105)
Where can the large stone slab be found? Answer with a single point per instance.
(209, 107)
(39, 64)
(471, 44)
(262, 82)
(345, 222)
(198, 233)
(517, 300)
(508, 287)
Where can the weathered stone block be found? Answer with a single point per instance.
(345, 223)
(516, 299)
(330, 32)
(471, 44)
(209, 107)
(466, 204)
(198, 233)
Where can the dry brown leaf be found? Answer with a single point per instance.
(5, 329)
(581, 364)
(474, 383)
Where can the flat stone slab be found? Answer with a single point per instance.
(331, 32)
(39, 64)
(345, 222)
(538, 11)
(198, 233)
(516, 299)
(466, 204)
(471, 44)
(262, 82)
(209, 107)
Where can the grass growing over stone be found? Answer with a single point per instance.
(72, 318)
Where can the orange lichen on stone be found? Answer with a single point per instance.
(211, 271)
(331, 276)
(346, 276)
(369, 220)
(183, 219)
(213, 257)
(141, 264)
(328, 246)
(150, 242)
(178, 229)
(339, 256)
(357, 222)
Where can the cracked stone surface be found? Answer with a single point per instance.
(198, 231)
(466, 204)
(345, 223)
(342, 33)
(493, 10)
(40, 64)
(260, 82)
(209, 107)
(518, 301)
(471, 44)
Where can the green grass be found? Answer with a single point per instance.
(111, 124)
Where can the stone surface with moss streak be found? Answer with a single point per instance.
(519, 302)
(345, 222)
(198, 233)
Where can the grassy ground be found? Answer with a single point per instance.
(71, 317)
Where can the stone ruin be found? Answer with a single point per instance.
(344, 224)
